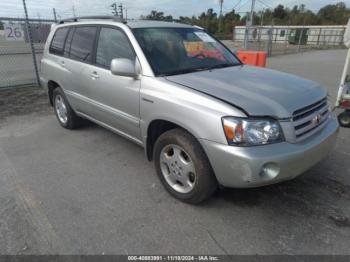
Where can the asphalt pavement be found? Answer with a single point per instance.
(90, 191)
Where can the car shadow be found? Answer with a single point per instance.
(317, 193)
(310, 195)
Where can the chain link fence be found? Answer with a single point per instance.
(22, 42)
(21, 46)
(287, 39)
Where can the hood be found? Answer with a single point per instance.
(257, 91)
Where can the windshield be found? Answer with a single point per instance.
(172, 51)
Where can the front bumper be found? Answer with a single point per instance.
(268, 164)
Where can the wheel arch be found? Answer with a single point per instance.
(156, 128)
(52, 85)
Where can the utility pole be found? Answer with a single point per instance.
(30, 38)
(220, 18)
(249, 23)
(262, 17)
(126, 13)
(114, 9)
(73, 10)
(121, 12)
(54, 14)
(252, 13)
(246, 33)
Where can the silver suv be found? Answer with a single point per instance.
(203, 117)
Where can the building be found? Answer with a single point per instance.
(307, 35)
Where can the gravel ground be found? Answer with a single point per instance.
(92, 192)
(22, 101)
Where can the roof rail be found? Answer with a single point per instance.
(79, 18)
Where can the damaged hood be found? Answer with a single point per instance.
(257, 91)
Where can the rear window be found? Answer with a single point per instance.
(82, 43)
(57, 44)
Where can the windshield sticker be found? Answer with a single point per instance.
(205, 37)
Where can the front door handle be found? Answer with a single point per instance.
(62, 64)
(94, 75)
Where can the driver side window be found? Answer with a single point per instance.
(112, 43)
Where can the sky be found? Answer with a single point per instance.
(136, 8)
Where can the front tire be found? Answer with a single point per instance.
(64, 113)
(344, 119)
(183, 167)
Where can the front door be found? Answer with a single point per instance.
(114, 99)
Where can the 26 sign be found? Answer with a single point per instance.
(14, 32)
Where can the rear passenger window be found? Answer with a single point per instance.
(82, 44)
(112, 43)
(58, 39)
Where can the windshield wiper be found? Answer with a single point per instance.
(209, 68)
(191, 70)
(178, 72)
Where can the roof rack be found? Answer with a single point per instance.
(79, 18)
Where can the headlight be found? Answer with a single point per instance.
(251, 132)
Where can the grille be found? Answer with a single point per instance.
(310, 119)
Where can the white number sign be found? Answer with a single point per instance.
(14, 32)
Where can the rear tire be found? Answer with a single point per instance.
(64, 113)
(344, 119)
(183, 167)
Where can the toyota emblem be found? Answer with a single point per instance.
(316, 120)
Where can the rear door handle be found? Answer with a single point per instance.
(62, 64)
(94, 75)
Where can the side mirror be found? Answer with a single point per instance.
(124, 67)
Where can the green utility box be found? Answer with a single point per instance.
(295, 34)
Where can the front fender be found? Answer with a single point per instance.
(196, 112)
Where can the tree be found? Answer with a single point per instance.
(279, 12)
(334, 14)
(230, 19)
(1, 25)
(209, 20)
(155, 15)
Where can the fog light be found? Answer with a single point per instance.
(269, 171)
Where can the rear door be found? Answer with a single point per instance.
(53, 63)
(115, 99)
(78, 51)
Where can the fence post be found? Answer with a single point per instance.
(319, 36)
(246, 36)
(259, 37)
(269, 42)
(29, 31)
(286, 40)
(342, 37)
(54, 14)
(300, 36)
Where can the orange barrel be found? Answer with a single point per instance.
(256, 58)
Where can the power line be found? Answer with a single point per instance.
(239, 1)
(267, 5)
(244, 4)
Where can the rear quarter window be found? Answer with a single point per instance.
(57, 43)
